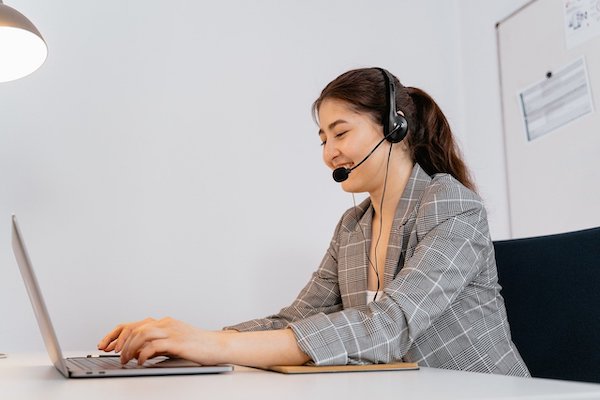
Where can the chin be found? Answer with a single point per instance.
(351, 187)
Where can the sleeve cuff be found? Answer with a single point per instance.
(319, 339)
(247, 327)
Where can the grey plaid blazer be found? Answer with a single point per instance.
(441, 305)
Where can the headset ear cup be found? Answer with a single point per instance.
(395, 126)
(400, 129)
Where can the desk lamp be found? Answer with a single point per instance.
(22, 48)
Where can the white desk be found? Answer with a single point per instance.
(31, 376)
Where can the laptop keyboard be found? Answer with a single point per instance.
(103, 363)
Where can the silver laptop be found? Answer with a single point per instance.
(92, 366)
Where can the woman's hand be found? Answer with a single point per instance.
(150, 338)
(115, 339)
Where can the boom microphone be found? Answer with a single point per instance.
(341, 174)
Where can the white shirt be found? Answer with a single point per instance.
(371, 295)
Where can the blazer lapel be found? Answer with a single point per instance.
(353, 262)
(404, 221)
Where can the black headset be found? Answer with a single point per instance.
(395, 126)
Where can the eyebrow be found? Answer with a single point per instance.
(333, 125)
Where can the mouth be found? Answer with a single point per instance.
(346, 165)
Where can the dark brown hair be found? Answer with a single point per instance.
(429, 139)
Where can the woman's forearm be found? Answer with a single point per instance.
(261, 349)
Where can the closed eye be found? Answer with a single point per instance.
(339, 135)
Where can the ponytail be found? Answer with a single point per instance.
(431, 142)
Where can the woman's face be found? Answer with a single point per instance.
(347, 137)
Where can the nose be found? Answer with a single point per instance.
(330, 152)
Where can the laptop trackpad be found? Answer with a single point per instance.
(175, 363)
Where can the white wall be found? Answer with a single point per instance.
(480, 97)
(166, 153)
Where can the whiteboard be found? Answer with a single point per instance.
(553, 177)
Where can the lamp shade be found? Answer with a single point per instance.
(22, 48)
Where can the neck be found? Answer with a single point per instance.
(396, 182)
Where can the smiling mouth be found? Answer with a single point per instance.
(346, 166)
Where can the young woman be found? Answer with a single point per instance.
(410, 273)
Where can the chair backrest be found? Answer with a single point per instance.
(551, 287)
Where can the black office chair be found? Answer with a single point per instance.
(551, 287)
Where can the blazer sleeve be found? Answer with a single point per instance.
(453, 241)
(320, 295)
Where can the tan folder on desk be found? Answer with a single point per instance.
(309, 369)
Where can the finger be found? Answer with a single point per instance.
(153, 349)
(110, 337)
(127, 329)
(138, 338)
(122, 339)
(125, 347)
(110, 347)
